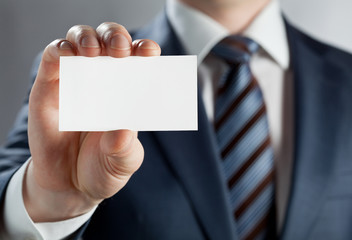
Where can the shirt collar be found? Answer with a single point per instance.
(199, 33)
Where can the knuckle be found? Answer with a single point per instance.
(148, 44)
(73, 30)
(146, 47)
(110, 25)
(108, 29)
(78, 32)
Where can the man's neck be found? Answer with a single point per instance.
(235, 15)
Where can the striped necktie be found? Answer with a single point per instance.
(242, 132)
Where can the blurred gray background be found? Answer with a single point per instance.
(26, 27)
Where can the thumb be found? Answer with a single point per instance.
(120, 155)
(123, 151)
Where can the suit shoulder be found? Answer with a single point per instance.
(331, 55)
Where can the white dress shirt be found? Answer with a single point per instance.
(199, 33)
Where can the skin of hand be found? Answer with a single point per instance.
(71, 172)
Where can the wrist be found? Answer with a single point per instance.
(45, 205)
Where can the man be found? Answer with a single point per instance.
(180, 191)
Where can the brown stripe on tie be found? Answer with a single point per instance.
(235, 104)
(257, 229)
(246, 203)
(243, 131)
(248, 162)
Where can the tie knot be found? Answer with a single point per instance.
(235, 49)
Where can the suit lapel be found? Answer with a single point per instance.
(195, 161)
(192, 155)
(316, 99)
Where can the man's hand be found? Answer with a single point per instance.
(70, 172)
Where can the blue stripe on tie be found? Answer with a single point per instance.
(258, 209)
(234, 89)
(242, 114)
(251, 179)
(231, 54)
(247, 145)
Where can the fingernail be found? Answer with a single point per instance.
(120, 42)
(90, 42)
(147, 44)
(65, 45)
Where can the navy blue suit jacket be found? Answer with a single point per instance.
(179, 192)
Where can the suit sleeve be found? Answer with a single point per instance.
(15, 151)
(14, 154)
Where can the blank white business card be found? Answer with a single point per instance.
(137, 93)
